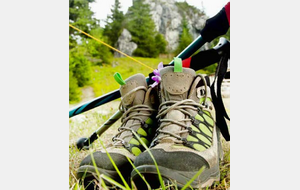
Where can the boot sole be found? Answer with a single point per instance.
(89, 173)
(171, 176)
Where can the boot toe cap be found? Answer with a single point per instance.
(177, 160)
(103, 161)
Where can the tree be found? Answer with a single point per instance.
(80, 16)
(74, 92)
(185, 37)
(142, 29)
(160, 43)
(80, 66)
(114, 24)
(98, 53)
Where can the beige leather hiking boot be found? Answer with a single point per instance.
(186, 139)
(137, 103)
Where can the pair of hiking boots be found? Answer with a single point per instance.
(176, 120)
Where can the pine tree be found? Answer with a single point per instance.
(80, 16)
(80, 66)
(160, 43)
(142, 29)
(114, 25)
(99, 53)
(185, 37)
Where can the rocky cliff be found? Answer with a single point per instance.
(167, 16)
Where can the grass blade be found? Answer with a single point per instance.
(98, 174)
(115, 166)
(133, 166)
(113, 182)
(193, 178)
(151, 155)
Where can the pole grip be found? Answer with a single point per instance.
(215, 26)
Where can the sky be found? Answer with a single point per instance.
(101, 8)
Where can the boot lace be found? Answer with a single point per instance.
(133, 113)
(181, 106)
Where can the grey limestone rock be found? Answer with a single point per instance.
(124, 44)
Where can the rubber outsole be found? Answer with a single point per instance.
(88, 173)
(171, 176)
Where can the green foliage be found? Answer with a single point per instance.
(160, 43)
(98, 53)
(80, 66)
(80, 16)
(114, 25)
(142, 28)
(74, 91)
(185, 37)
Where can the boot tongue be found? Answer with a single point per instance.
(134, 98)
(131, 99)
(175, 85)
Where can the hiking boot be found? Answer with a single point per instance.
(137, 103)
(187, 138)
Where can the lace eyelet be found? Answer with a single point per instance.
(145, 125)
(184, 140)
(125, 144)
(190, 130)
(202, 92)
(153, 143)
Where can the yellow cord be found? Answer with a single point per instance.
(111, 47)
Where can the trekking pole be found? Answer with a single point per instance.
(84, 143)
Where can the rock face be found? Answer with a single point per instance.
(167, 16)
(124, 44)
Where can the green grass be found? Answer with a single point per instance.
(103, 80)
